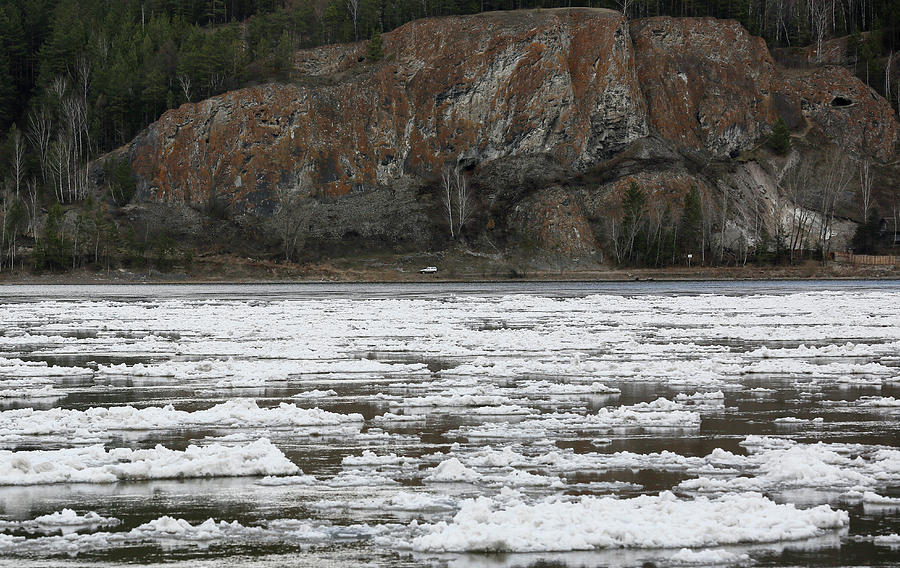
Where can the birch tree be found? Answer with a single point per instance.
(447, 197)
(832, 182)
(353, 10)
(797, 187)
(17, 147)
(865, 186)
(463, 199)
(40, 128)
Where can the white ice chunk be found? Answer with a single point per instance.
(663, 521)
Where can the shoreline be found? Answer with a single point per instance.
(332, 275)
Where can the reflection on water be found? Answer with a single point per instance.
(424, 365)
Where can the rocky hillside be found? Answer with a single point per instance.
(549, 114)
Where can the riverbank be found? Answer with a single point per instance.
(228, 268)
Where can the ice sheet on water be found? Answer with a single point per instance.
(235, 413)
(777, 464)
(660, 413)
(95, 464)
(252, 372)
(706, 557)
(663, 521)
(890, 540)
(278, 481)
(36, 370)
(802, 351)
(176, 533)
(44, 391)
(789, 367)
(64, 521)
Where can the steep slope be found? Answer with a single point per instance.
(575, 93)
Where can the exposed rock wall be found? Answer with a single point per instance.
(708, 83)
(550, 90)
(453, 89)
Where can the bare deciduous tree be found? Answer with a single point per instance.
(17, 146)
(797, 189)
(831, 183)
(865, 187)
(353, 9)
(40, 128)
(820, 12)
(456, 198)
(447, 196)
(463, 199)
(624, 6)
(291, 219)
(184, 82)
(887, 76)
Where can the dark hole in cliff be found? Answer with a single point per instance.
(841, 102)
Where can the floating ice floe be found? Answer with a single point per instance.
(64, 521)
(697, 372)
(891, 540)
(548, 388)
(567, 462)
(370, 458)
(45, 391)
(831, 350)
(707, 557)
(278, 481)
(795, 420)
(237, 413)
(664, 521)
(793, 367)
(315, 393)
(403, 501)
(781, 464)
(17, 368)
(94, 464)
(879, 402)
(876, 499)
(661, 413)
(253, 372)
(175, 533)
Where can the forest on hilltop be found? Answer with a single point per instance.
(127, 61)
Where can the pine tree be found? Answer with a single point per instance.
(374, 49)
(7, 91)
(690, 230)
(780, 138)
(865, 240)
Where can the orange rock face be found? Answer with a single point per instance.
(471, 88)
(572, 84)
(708, 83)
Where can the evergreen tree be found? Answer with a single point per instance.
(7, 91)
(868, 234)
(780, 139)
(374, 49)
(690, 229)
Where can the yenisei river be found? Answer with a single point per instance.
(488, 425)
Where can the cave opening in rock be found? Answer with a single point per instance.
(841, 102)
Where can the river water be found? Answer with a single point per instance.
(490, 425)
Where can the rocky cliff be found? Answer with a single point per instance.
(578, 94)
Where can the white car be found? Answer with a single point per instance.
(428, 270)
